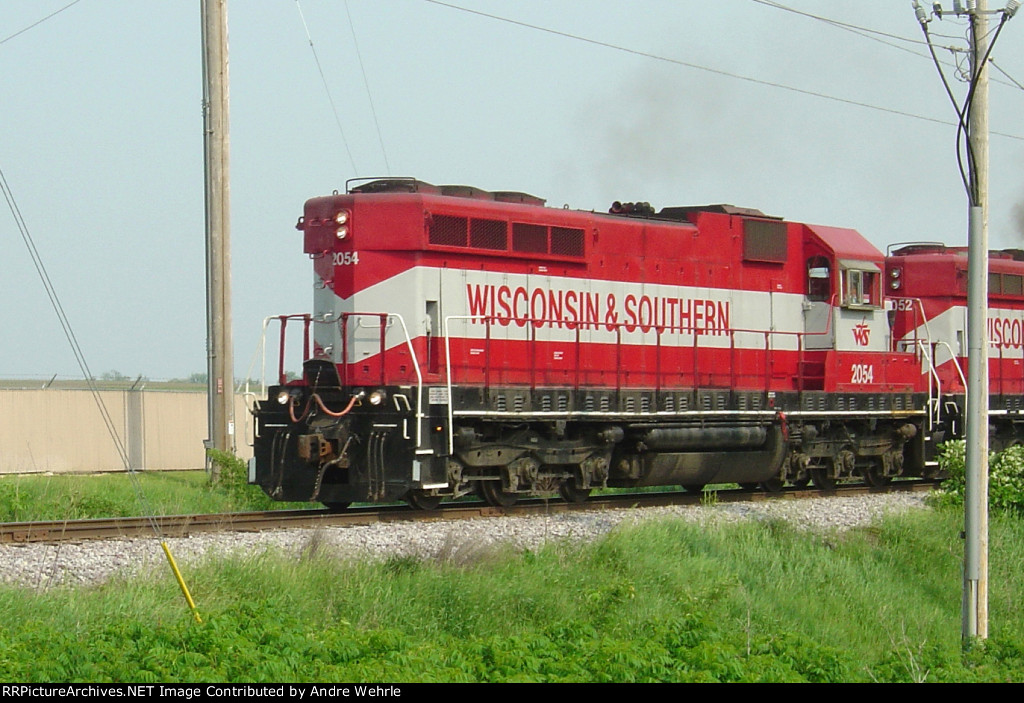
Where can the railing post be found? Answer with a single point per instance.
(344, 349)
(578, 360)
(657, 363)
(306, 321)
(533, 355)
(618, 366)
(999, 374)
(768, 363)
(280, 351)
(732, 359)
(383, 346)
(693, 331)
(487, 353)
(800, 366)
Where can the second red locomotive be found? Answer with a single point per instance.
(472, 341)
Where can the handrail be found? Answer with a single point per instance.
(933, 374)
(261, 349)
(384, 318)
(342, 321)
(619, 328)
(956, 364)
(448, 371)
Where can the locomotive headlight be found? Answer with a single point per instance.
(895, 273)
(341, 219)
(284, 397)
(896, 284)
(377, 397)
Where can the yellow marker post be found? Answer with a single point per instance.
(181, 582)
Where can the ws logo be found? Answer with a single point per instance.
(861, 333)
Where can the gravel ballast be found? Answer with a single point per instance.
(43, 566)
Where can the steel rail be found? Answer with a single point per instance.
(183, 525)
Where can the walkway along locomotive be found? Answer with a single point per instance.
(472, 341)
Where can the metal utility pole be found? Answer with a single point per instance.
(975, 112)
(220, 375)
(975, 592)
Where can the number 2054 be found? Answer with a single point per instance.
(346, 258)
(862, 373)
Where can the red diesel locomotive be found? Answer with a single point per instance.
(472, 341)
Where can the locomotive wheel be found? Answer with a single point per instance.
(822, 480)
(492, 493)
(772, 485)
(337, 507)
(874, 476)
(422, 500)
(571, 494)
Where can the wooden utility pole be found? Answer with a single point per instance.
(220, 375)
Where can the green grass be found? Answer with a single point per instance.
(68, 497)
(664, 601)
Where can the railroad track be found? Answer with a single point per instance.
(184, 525)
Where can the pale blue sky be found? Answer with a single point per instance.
(102, 139)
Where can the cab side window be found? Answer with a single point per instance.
(861, 288)
(819, 279)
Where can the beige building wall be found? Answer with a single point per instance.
(63, 431)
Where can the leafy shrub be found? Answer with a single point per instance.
(1005, 476)
(233, 480)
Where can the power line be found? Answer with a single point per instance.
(39, 22)
(61, 315)
(836, 23)
(369, 95)
(993, 64)
(708, 69)
(323, 79)
(76, 349)
(867, 32)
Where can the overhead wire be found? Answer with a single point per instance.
(965, 113)
(39, 22)
(327, 88)
(993, 64)
(61, 315)
(708, 69)
(866, 32)
(837, 23)
(953, 100)
(969, 176)
(76, 348)
(369, 94)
